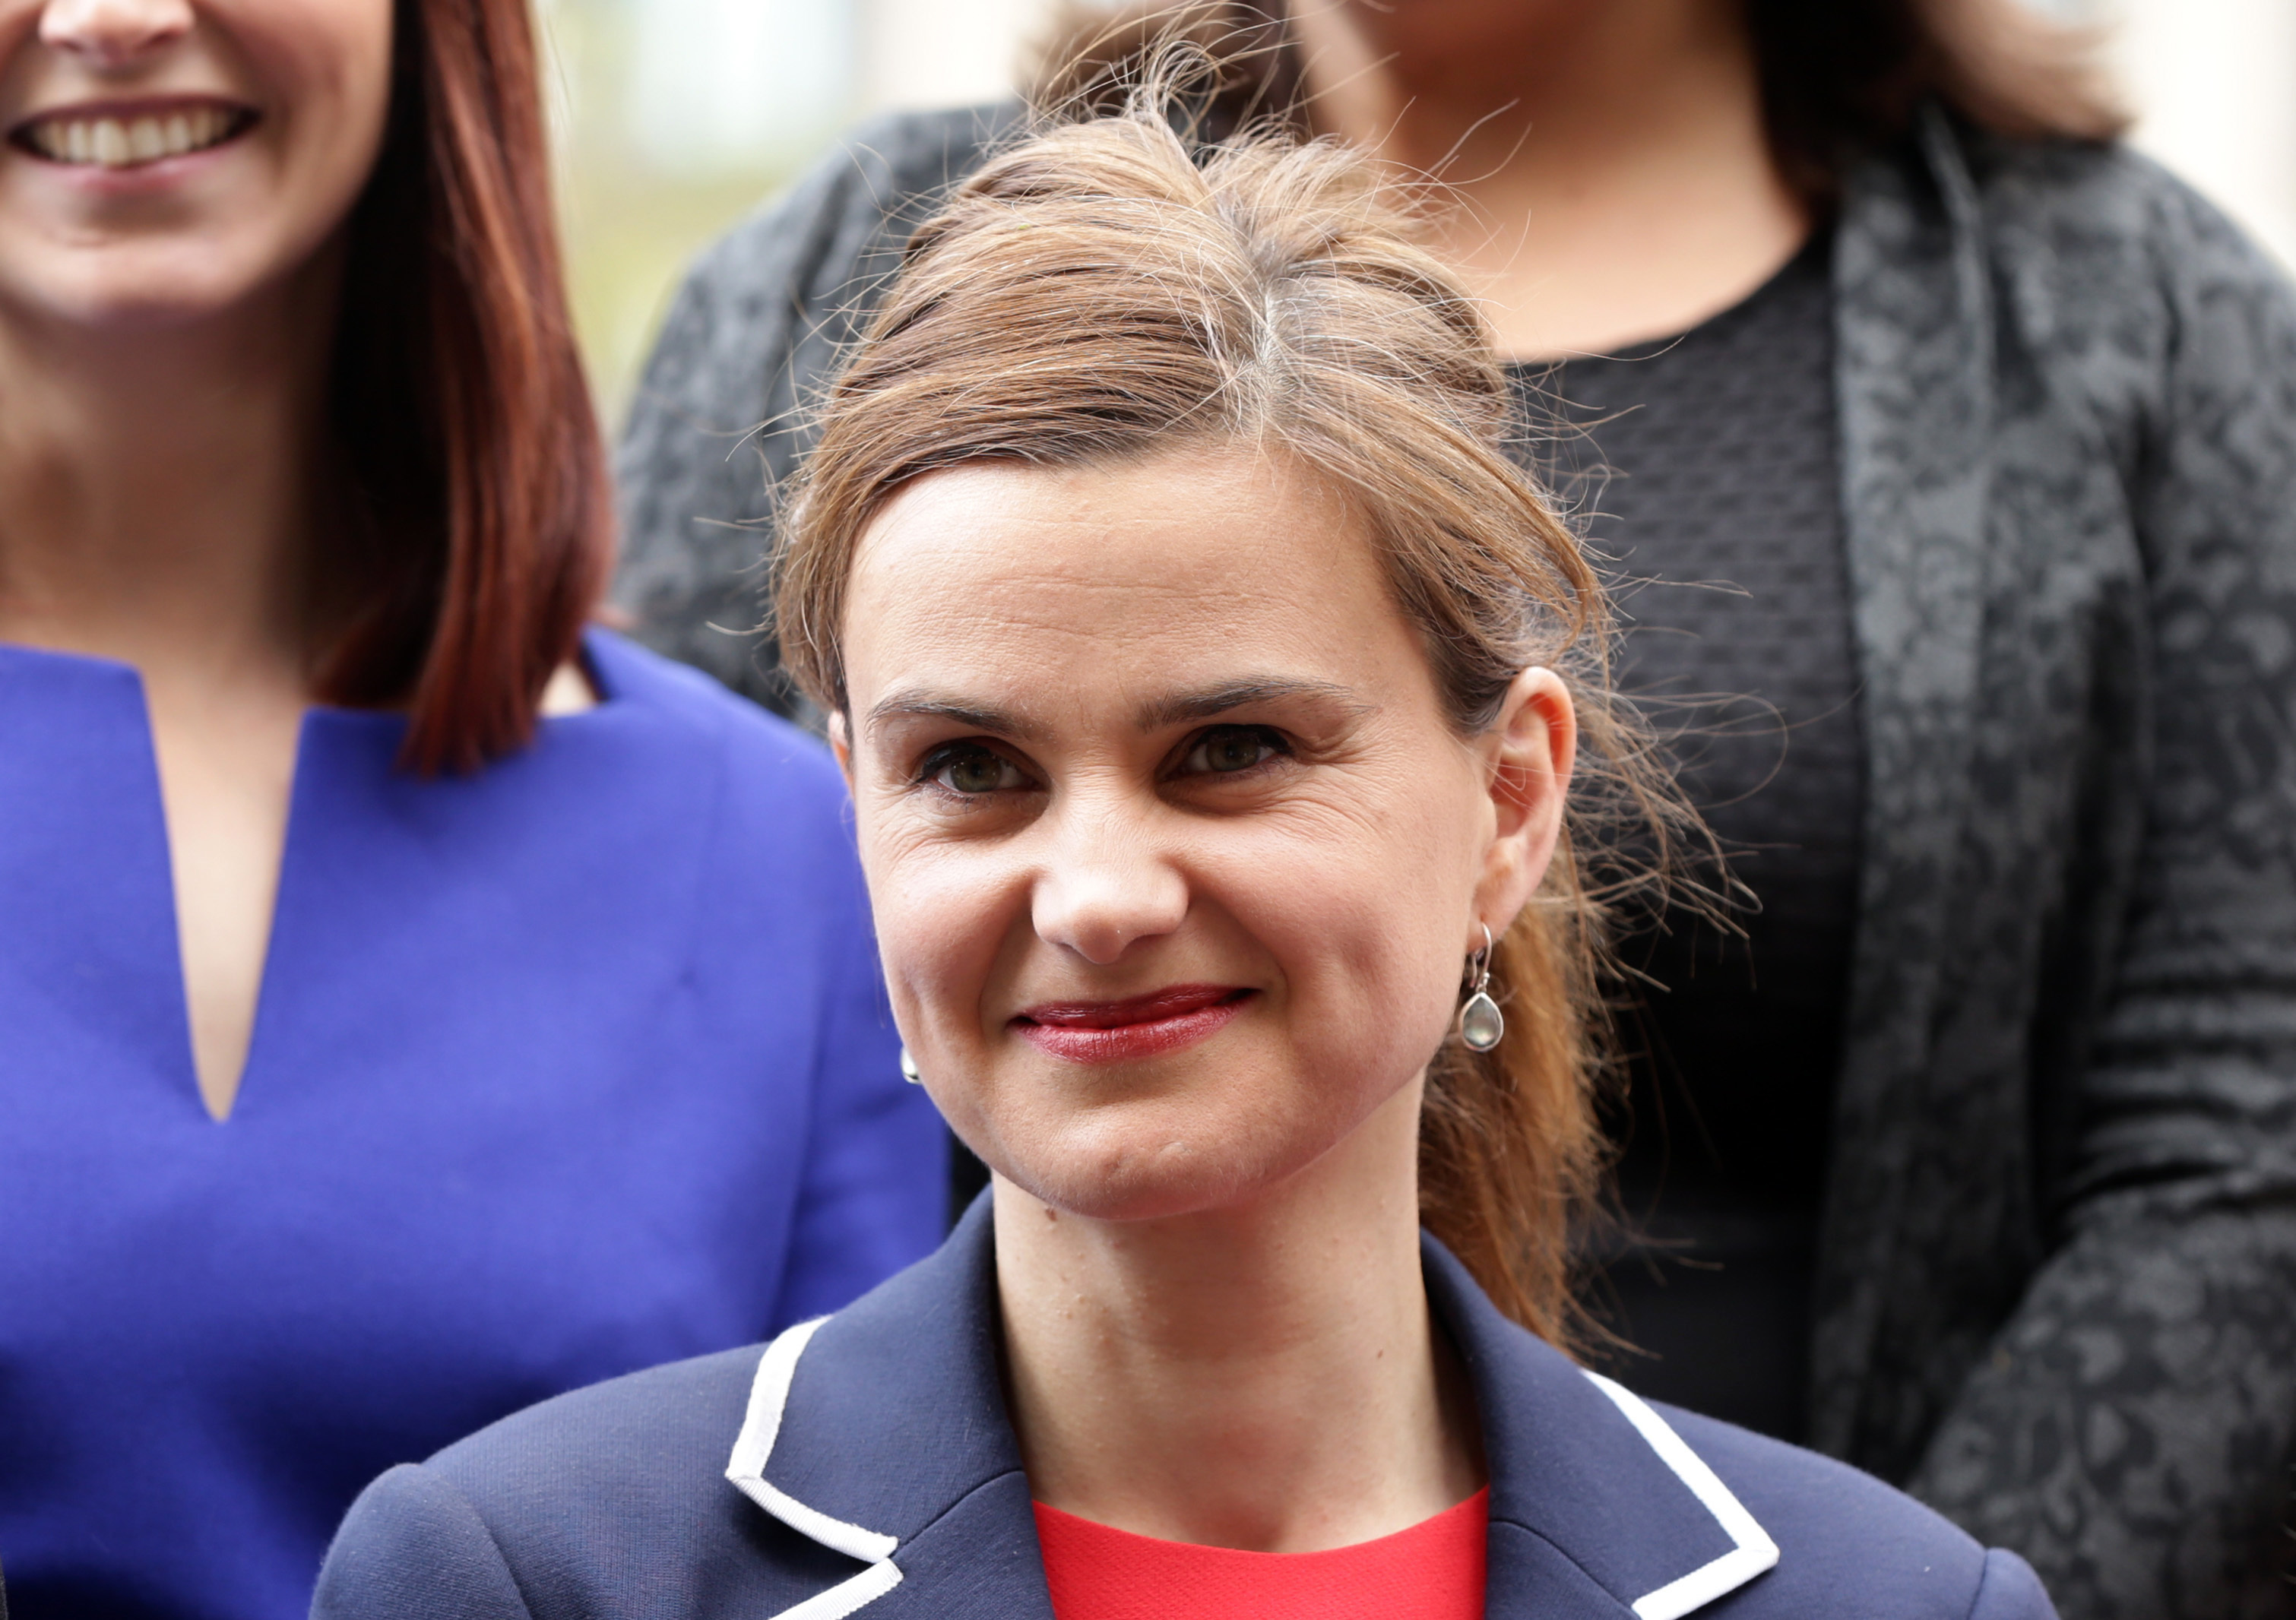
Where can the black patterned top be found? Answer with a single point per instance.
(1704, 472)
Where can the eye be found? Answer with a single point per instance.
(970, 769)
(1224, 750)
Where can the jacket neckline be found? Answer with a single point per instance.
(866, 1429)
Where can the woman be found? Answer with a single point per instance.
(1903, 403)
(570, 1053)
(1197, 660)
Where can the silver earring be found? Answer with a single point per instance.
(1481, 1022)
(909, 1068)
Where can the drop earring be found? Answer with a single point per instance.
(909, 1067)
(1481, 1022)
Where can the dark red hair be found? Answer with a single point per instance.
(478, 529)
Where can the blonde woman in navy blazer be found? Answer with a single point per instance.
(1212, 691)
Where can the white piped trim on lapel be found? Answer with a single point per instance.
(1754, 1550)
(761, 1426)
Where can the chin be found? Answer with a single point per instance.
(150, 288)
(1160, 1163)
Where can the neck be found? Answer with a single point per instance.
(157, 487)
(1264, 1376)
(1607, 167)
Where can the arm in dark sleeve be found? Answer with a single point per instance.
(2130, 1431)
(720, 416)
(412, 1548)
(875, 1193)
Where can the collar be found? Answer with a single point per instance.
(881, 1432)
(1921, 435)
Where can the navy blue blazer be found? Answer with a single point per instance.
(864, 1464)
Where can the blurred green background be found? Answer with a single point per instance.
(661, 144)
(673, 118)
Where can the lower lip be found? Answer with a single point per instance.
(157, 175)
(1126, 1043)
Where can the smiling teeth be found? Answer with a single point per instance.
(125, 143)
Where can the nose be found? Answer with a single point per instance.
(113, 33)
(1106, 886)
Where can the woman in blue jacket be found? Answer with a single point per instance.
(1212, 688)
(411, 1004)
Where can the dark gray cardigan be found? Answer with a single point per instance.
(2058, 1276)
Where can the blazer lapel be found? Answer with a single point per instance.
(881, 1432)
(1915, 350)
(1598, 1509)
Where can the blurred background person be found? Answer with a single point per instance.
(410, 1004)
(670, 119)
(1971, 1160)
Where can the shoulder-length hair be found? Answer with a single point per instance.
(477, 529)
(1841, 78)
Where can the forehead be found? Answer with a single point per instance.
(1159, 572)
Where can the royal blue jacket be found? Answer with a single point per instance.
(564, 1067)
(865, 1465)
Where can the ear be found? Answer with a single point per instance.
(1529, 750)
(841, 743)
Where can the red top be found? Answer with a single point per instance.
(1432, 1571)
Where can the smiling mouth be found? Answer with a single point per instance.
(1142, 1027)
(131, 140)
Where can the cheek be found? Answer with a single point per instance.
(336, 48)
(944, 914)
(333, 63)
(322, 69)
(1364, 915)
(367, 50)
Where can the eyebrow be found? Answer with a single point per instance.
(1240, 694)
(925, 706)
(1172, 710)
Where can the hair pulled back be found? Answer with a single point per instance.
(1101, 293)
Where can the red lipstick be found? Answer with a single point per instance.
(1138, 1027)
